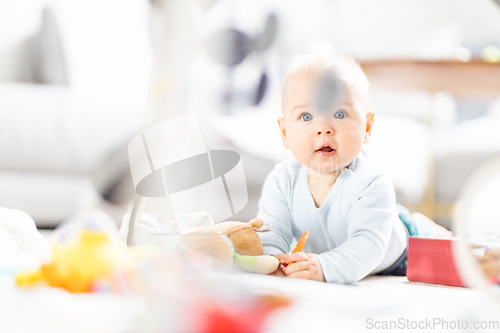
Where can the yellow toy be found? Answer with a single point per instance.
(79, 266)
(87, 255)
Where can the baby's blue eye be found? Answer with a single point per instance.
(306, 116)
(340, 114)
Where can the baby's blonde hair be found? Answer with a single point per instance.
(320, 59)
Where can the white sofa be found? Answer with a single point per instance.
(63, 140)
(73, 90)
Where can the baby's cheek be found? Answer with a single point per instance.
(298, 149)
(353, 142)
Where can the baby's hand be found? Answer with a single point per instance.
(279, 270)
(303, 266)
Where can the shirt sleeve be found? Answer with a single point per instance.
(370, 222)
(275, 212)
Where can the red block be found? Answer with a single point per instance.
(431, 260)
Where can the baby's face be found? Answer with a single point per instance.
(325, 141)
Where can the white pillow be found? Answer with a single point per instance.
(46, 53)
(18, 21)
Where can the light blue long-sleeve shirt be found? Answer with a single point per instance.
(355, 232)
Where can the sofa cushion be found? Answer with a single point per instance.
(48, 127)
(402, 148)
(460, 150)
(47, 197)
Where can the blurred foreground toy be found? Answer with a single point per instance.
(491, 54)
(87, 255)
(232, 243)
(218, 302)
(431, 260)
(21, 245)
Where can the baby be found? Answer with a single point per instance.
(329, 187)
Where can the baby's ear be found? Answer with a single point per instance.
(281, 124)
(369, 125)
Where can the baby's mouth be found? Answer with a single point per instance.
(326, 149)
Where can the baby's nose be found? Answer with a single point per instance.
(325, 132)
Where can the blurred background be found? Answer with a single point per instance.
(75, 78)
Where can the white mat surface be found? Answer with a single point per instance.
(317, 307)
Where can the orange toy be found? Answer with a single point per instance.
(300, 245)
(302, 241)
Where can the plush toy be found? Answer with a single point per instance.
(243, 236)
(87, 255)
(232, 243)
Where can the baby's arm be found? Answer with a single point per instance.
(274, 210)
(370, 223)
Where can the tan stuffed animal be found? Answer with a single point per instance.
(233, 243)
(243, 236)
